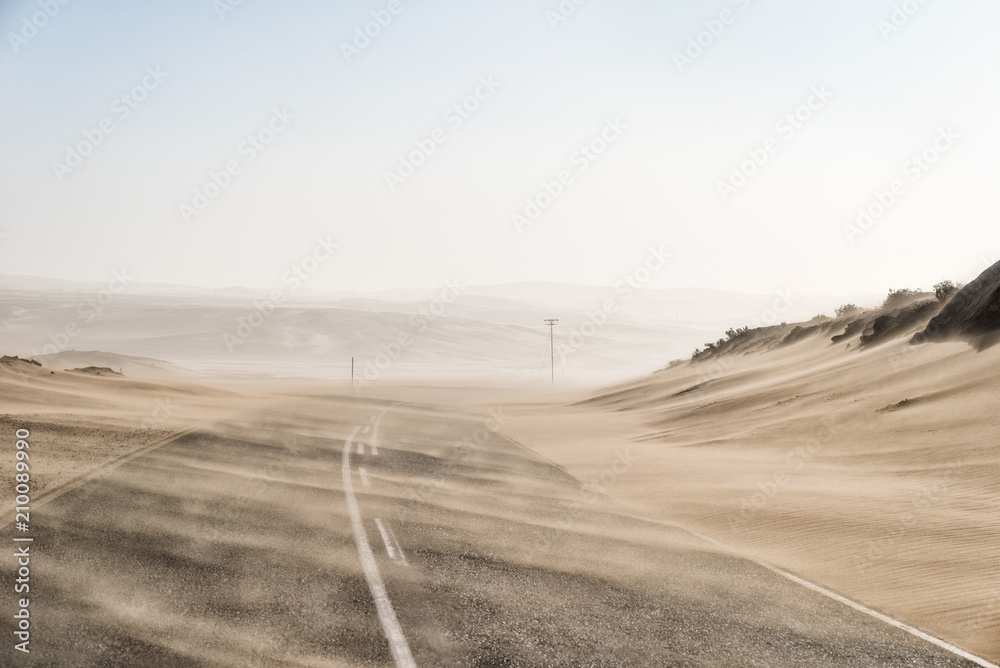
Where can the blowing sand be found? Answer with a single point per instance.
(873, 473)
(79, 422)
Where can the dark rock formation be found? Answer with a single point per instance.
(853, 328)
(973, 312)
(13, 360)
(96, 371)
(890, 325)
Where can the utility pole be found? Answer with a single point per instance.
(352, 370)
(551, 322)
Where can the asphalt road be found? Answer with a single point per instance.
(331, 531)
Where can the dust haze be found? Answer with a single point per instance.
(500, 334)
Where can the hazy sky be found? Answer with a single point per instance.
(671, 130)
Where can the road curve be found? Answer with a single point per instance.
(239, 544)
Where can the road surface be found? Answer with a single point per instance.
(333, 531)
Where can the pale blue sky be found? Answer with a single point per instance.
(657, 183)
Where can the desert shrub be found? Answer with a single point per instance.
(896, 297)
(945, 289)
(847, 309)
(736, 333)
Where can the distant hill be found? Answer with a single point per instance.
(472, 331)
(132, 366)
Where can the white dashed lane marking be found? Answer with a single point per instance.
(385, 539)
(386, 613)
(392, 547)
(364, 476)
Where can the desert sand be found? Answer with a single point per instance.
(232, 545)
(873, 472)
(870, 470)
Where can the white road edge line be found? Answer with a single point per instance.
(364, 476)
(958, 651)
(385, 539)
(386, 613)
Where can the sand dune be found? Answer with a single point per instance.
(232, 546)
(870, 470)
(82, 421)
(867, 464)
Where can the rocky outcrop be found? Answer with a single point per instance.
(896, 323)
(10, 361)
(854, 328)
(96, 371)
(973, 312)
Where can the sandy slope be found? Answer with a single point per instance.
(232, 546)
(873, 472)
(78, 422)
(876, 473)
